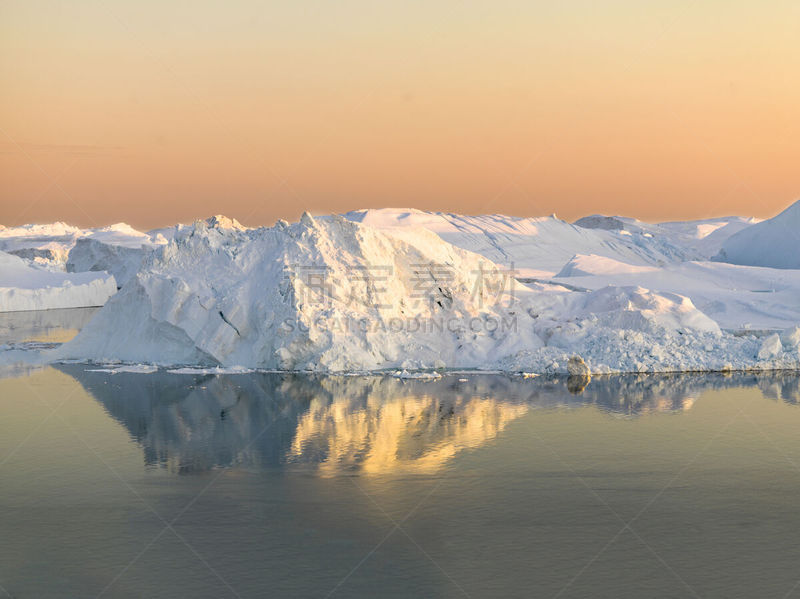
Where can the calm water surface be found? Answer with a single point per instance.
(164, 485)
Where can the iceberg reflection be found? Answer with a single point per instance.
(416, 434)
(370, 425)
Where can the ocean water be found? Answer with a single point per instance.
(266, 485)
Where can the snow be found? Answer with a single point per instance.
(120, 234)
(737, 297)
(25, 287)
(580, 265)
(534, 247)
(774, 242)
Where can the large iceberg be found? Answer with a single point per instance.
(330, 294)
(323, 294)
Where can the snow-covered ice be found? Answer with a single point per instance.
(419, 293)
(330, 294)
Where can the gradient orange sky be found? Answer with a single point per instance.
(156, 112)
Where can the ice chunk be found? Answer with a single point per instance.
(770, 348)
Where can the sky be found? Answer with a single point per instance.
(154, 112)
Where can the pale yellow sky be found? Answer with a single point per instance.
(153, 112)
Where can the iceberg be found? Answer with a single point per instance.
(25, 287)
(321, 294)
(49, 245)
(774, 243)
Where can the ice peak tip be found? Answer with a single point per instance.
(223, 222)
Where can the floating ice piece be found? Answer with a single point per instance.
(215, 370)
(129, 368)
(577, 367)
(422, 376)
